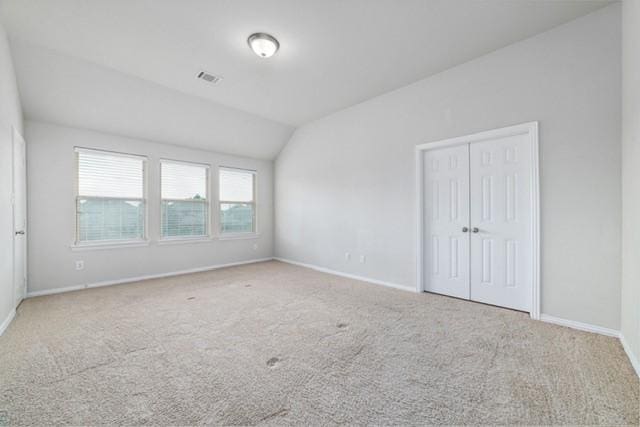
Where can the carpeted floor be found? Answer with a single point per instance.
(272, 343)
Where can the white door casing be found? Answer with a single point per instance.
(446, 200)
(19, 217)
(503, 205)
(500, 222)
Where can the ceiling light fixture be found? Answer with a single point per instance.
(264, 45)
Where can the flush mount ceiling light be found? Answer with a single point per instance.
(264, 45)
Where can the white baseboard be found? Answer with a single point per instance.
(139, 278)
(7, 321)
(55, 291)
(349, 276)
(580, 326)
(632, 357)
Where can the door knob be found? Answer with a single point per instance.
(475, 229)
(20, 232)
(465, 229)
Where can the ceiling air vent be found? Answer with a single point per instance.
(209, 77)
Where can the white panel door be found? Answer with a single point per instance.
(19, 217)
(446, 208)
(501, 245)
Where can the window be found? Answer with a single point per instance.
(185, 202)
(237, 201)
(110, 203)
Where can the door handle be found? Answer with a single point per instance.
(475, 229)
(20, 232)
(465, 229)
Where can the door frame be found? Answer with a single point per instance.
(531, 130)
(15, 135)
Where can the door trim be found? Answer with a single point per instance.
(15, 135)
(531, 130)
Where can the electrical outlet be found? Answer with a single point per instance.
(255, 246)
(347, 256)
(79, 265)
(363, 259)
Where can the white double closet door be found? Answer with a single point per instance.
(478, 242)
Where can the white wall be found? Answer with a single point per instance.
(51, 177)
(630, 326)
(70, 91)
(347, 182)
(10, 117)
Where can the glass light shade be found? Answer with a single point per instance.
(263, 44)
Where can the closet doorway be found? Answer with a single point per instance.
(478, 217)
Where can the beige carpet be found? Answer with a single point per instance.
(276, 344)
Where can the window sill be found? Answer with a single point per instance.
(181, 241)
(162, 242)
(239, 236)
(110, 245)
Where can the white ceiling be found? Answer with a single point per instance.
(334, 53)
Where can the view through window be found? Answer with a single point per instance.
(185, 202)
(237, 201)
(110, 204)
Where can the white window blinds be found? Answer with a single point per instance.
(237, 201)
(185, 206)
(110, 203)
(236, 185)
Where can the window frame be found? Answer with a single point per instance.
(144, 240)
(230, 235)
(208, 198)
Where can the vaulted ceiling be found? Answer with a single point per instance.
(111, 64)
